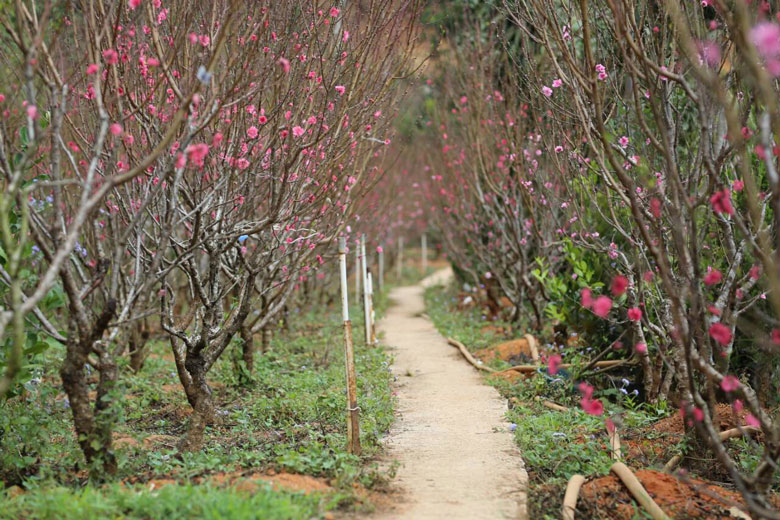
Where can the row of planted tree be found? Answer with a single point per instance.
(182, 170)
(611, 166)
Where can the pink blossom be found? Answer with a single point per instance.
(334, 12)
(737, 405)
(619, 285)
(262, 120)
(379, 249)
(298, 131)
(547, 91)
(204, 40)
(252, 132)
(601, 306)
(751, 420)
(557, 83)
(721, 202)
(115, 129)
(553, 364)
(92, 68)
(585, 389)
(641, 348)
(720, 333)
(111, 56)
(635, 314)
(592, 406)
(698, 414)
(776, 336)
(32, 111)
(738, 185)
(340, 89)
(766, 37)
(133, 4)
(196, 153)
(712, 277)
(181, 160)
(710, 53)
(586, 298)
(729, 383)
(284, 63)
(623, 141)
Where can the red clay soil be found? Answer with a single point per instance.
(251, 482)
(516, 352)
(607, 497)
(727, 419)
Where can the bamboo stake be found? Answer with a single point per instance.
(614, 444)
(724, 435)
(357, 272)
(364, 274)
(372, 325)
(353, 419)
(381, 280)
(570, 498)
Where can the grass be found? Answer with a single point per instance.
(290, 418)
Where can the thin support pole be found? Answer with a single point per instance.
(358, 272)
(364, 268)
(372, 326)
(353, 418)
(381, 280)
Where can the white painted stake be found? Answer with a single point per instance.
(353, 423)
(358, 272)
(364, 268)
(424, 253)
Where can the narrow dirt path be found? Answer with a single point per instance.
(458, 459)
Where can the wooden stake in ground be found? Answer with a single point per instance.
(424, 253)
(358, 272)
(400, 262)
(353, 424)
(372, 325)
(364, 274)
(381, 280)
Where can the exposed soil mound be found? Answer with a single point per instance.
(607, 497)
(516, 352)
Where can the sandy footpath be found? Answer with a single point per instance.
(458, 459)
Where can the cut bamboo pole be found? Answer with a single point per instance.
(638, 491)
(353, 419)
(372, 324)
(364, 275)
(358, 272)
(570, 498)
(466, 354)
(614, 444)
(533, 368)
(551, 405)
(533, 346)
(724, 435)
